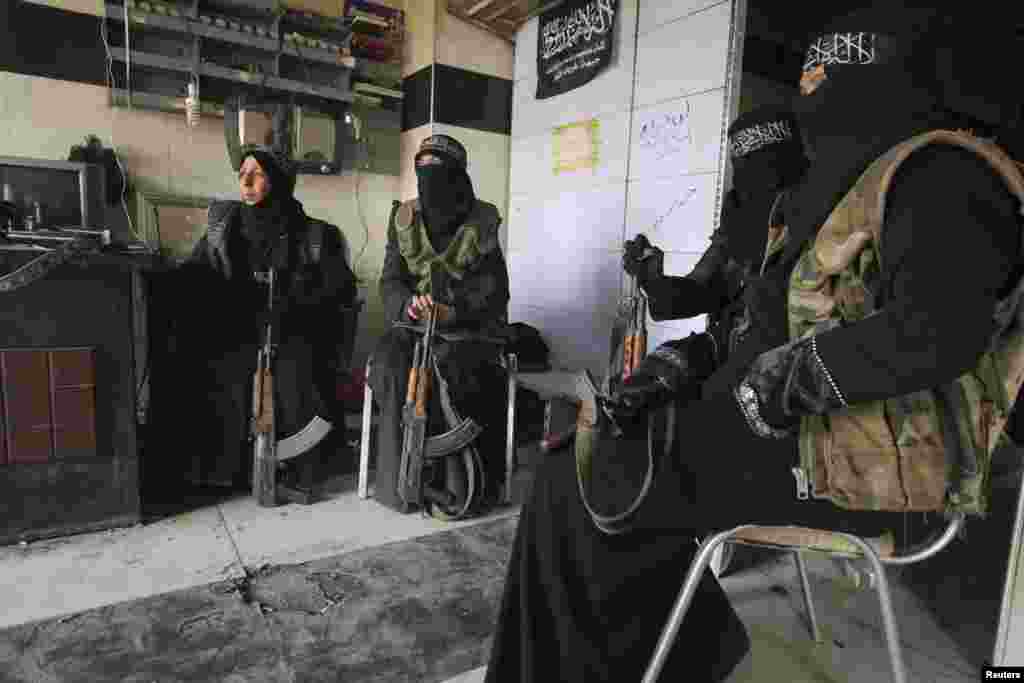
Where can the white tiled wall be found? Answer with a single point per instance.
(677, 137)
(533, 161)
(684, 56)
(660, 108)
(657, 13)
(565, 229)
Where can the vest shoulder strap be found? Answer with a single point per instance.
(405, 214)
(884, 169)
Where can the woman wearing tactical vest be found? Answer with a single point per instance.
(767, 158)
(446, 230)
(849, 316)
(224, 310)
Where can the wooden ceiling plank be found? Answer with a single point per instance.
(502, 10)
(490, 28)
(478, 7)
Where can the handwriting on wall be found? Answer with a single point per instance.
(667, 134)
(677, 203)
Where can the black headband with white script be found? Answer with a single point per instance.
(761, 135)
(855, 47)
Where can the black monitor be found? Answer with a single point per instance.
(70, 193)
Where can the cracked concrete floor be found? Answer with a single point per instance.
(420, 610)
(348, 590)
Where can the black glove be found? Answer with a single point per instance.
(673, 370)
(643, 260)
(785, 384)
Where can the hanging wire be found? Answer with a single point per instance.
(361, 144)
(111, 86)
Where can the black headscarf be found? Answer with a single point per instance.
(880, 88)
(855, 115)
(445, 190)
(767, 156)
(264, 224)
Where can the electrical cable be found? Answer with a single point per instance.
(120, 165)
(359, 205)
(113, 145)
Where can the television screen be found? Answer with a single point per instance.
(57, 190)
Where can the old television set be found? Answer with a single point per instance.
(70, 194)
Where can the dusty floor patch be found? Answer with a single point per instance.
(419, 610)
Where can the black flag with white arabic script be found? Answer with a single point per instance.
(574, 44)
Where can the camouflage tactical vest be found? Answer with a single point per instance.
(927, 451)
(475, 238)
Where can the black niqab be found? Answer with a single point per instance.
(860, 111)
(446, 200)
(758, 177)
(854, 116)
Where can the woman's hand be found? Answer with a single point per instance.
(420, 305)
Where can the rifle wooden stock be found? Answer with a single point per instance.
(410, 391)
(634, 344)
(627, 353)
(640, 345)
(423, 393)
(264, 472)
(410, 485)
(263, 399)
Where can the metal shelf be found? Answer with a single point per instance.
(194, 28)
(216, 71)
(314, 54)
(152, 60)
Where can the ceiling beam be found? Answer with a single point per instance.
(490, 28)
(502, 10)
(482, 5)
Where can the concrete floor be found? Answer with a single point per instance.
(60, 580)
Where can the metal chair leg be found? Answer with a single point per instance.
(510, 436)
(689, 589)
(364, 437)
(805, 585)
(899, 673)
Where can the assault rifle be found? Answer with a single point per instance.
(417, 398)
(634, 346)
(264, 471)
(267, 450)
(418, 450)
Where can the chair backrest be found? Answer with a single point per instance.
(349, 313)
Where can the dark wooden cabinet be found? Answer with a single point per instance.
(47, 405)
(69, 346)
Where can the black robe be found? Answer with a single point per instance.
(202, 391)
(480, 301)
(579, 606)
(716, 284)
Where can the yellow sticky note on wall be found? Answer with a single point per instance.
(576, 146)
